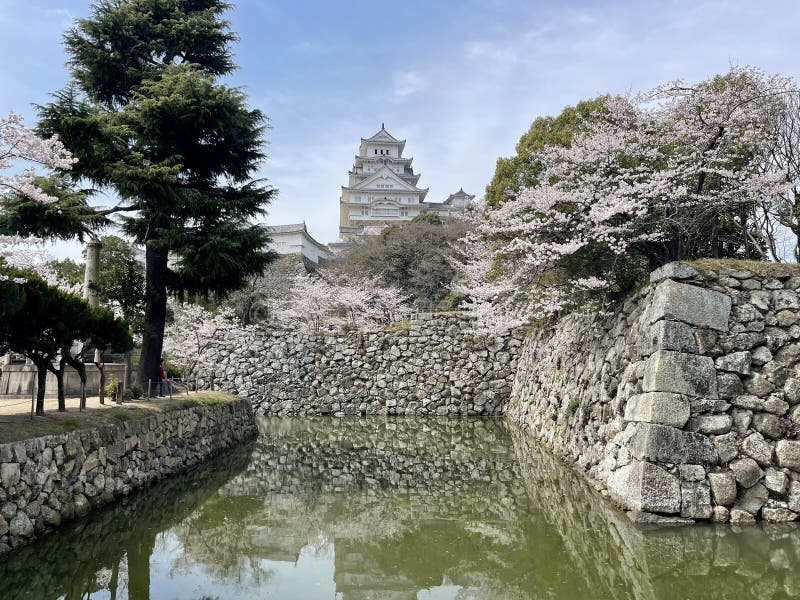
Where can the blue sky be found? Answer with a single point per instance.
(460, 80)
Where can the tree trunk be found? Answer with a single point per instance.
(155, 308)
(79, 365)
(82, 374)
(102, 392)
(113, 584)
(139, 567)
(128, 357)
(59, 373)
(41, 379)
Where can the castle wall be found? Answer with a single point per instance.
(683, 403)
(430, 366)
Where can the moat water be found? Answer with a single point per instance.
(374, 509)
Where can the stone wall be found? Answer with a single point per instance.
(431, 366)
(49, 480)
(683, 403)
(20, 379)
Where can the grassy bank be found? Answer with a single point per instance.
(763, 269)
(16, 423)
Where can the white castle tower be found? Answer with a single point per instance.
(382, 189)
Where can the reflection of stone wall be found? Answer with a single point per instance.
(435, 367)
(496, 515)
(618, 559)
(684, 401)
(391, 496)
(48, 480)
(110, 549)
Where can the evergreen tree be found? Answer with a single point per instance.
(42, 324)
(523, 169)
(147, 118)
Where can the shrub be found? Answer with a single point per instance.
(112, 387)
(173, 370)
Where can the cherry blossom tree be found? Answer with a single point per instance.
(193, 330)
(668, 174)
(21, 153)
(20, 145)
(336, 299)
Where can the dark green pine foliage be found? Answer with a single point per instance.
(148, 118)
(70, 217)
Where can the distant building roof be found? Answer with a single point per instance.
(291, 228)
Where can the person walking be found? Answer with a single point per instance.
(161, 378)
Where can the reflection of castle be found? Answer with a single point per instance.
(382, 189)
(389, 507)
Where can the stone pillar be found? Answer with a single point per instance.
(90, 279)
(90, 276)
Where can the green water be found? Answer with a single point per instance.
(375, 509)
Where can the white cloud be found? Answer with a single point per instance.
(407, 83)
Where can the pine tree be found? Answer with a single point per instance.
(147, 117)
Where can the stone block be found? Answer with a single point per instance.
(729, 385)
(788, 454)
(785, 299)
(706, 339)
(667, 335)
(741, 517)
(760, 356)
(727, 447)
(776, 481)
(680, 373)
(757, 448)
(736, 362)
(758, 385)
(692, 472)
(51, 517)
(748, 402)
(720, 514)
(791, 391)
(20, 526)
(716, 424)
(778, 515)
(647, 518)
(673, 270)
(658, 407)
(642, 486)
(9, 474)
(769, 425)
(723, 486)
(695, 500)
(670, 445)
(752, 499)
(91, 463)
(691, 304)
(761, 300)
(746, 471)
(794, 496)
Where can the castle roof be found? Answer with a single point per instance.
(384, 137)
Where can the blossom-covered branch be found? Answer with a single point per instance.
(669, 174)
(314, 301)
(21, 146)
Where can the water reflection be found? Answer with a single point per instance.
(359, 509)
